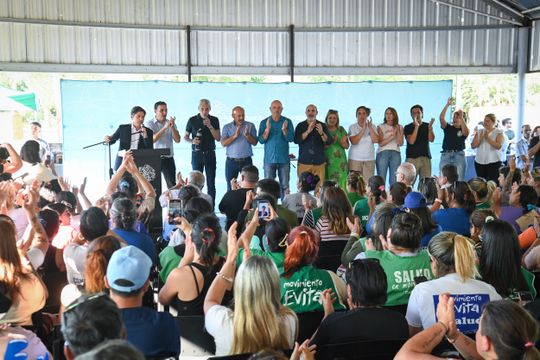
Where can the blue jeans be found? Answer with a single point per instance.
(387, 160)
(283, 171)
(233, 167)
(456, 158)
(206, 161)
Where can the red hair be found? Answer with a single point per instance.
(302, 249)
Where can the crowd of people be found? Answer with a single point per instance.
(429, 261)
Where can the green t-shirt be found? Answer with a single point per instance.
(484, 205)
(400, 273)
(353, 197)
(169, 259)
(361, 209)
(277, 257)
(301, 292)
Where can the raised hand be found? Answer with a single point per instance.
(431, 122)
(354, 227)
(319, 128)
(143, 132)
(450, 101)
(311, 126)
(285, 127)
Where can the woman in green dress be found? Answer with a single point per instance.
(336, 160)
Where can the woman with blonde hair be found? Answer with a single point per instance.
(259, 320)
(453, 262)
(489, 144)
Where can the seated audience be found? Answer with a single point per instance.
(274, 242)
(416, 203)
(398, 192)
(505, 331)
(478, 219)
(256, 307)
(233, 201)
(500, 261)
(428, 188)
(336, 209)
(19, 281)
(522, 199)
(113, 350)
(312, 215)
(461, 204)
(155, 334)
(93, 224)
(123, 215)
(170, 256)
(356, 187)
(302, 283)
(272, 187)
(297, 202)
(376, 193)
(384, 213)
(402, 259)
(89, 321)
(481, 191)
(366, 319)
(188, 284)
(452, 259)
(406, 173)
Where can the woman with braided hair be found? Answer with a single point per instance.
(187, 285)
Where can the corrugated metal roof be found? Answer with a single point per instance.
(252, 35)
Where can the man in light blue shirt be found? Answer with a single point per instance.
(165, 132)
(276, 132)
(238, 137)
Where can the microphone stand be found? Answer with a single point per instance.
(111, 172)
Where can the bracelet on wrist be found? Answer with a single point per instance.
(444, 326)
(450, 340)
(356, 235)
(226, 278)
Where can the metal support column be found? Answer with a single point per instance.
(522, 61)
(291, 51)
(188, 44)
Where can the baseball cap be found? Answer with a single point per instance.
(128, 269)
(415, 200)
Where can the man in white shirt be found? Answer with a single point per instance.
(165, 132)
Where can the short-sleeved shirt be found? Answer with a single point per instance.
(153, 333)
(311, 149)
(401, 269)
(166, 140)
(194, 124)
(240, 147)
(453, 140)
(364, 150)
(421, 145)
(522, 149)
(276, 146)
(453, 219)
(469, 295)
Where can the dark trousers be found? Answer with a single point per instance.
(233, 167)
(168, 169)
(206, 161)
(488, 171)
